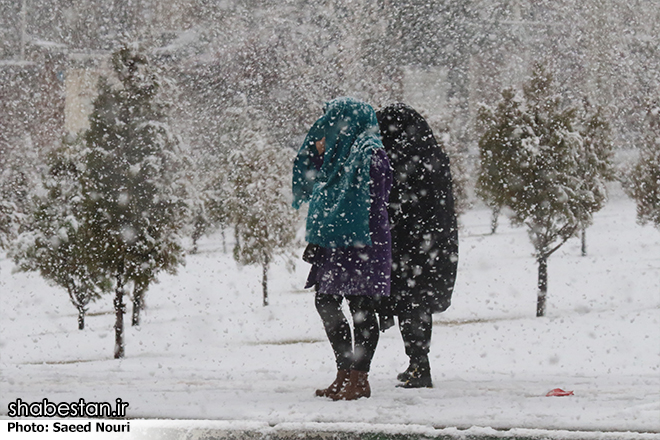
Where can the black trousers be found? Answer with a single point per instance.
(416, 325)
(350, 354)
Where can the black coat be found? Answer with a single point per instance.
(421, 210)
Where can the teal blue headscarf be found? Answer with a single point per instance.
(338, 194)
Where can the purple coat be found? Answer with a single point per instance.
(361, 270)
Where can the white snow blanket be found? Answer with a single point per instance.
(208, 350)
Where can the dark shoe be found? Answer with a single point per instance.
(406, 375)
(356, 387)
(340, 380)
(419, 377)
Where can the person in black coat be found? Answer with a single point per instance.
(424, 234)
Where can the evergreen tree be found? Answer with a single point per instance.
(643, 182)
(134, 190)
(258, 201)
(447, 126)
(535, 162)
(496, 151)
(9, 218)
(53, 242)
(596, 155)
(208, 208)
(19, 169)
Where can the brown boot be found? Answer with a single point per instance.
(340, 380)
(356, 387)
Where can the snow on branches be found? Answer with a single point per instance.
(258, 201)
(642, 182)
(544, 162)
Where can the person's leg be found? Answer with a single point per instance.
(338, 331)
(416, 325)
(337, 328)
(366, 333)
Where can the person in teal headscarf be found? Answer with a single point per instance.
(343, 172)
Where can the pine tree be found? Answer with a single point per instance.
(208, 208)
(19, 169)
(9, 219)
(258, 201)
(447, 128)
(643, 182)
(134, 193)
(596, 155)
(534, 161)
(53, 242)
(496, 151)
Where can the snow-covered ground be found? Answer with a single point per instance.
(207, 349)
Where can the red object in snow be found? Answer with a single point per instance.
(559, 392)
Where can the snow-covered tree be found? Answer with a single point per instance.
(8, 218)
(207, 216)
(258, 201)
(19, 168)
(535, 162)
(9, 214)
(500, 127)
(134, 188)
(643, 182)
(208, 207)
(53, 242)
(447, 132)
(596, 154)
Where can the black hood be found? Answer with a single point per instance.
(404, 131)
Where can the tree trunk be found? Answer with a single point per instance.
(224, 241)
(543, 285)
(120, 309)
(198, 231)
(138, 302)
(135, 318)
(584, 241)
(237, 244)
(81, 317)
(494, 219)
(79, 300)
(264, 279)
